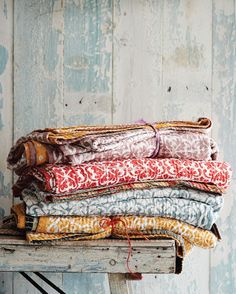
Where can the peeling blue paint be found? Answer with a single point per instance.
(3, 58)
(82, 281)
(4, 189)
(87, 60)
(1, 122)
(85, 119)
(51, 56)
(5, 8)
(2, 212)
(1, 106)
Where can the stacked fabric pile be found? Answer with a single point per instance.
(157, 180)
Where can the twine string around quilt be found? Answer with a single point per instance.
(105, 223)
(157, 136)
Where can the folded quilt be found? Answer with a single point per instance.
(192, 206)
(66, 178)
(75, 145)
(137, 226)
(121, 225)
(82, 225)
(43, 196)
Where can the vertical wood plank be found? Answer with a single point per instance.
(38, 79)
(118, 284)
(87, 89)
(38, 65)
(162, 70)
(187, 43)
(223, 258)
(6, 41)
(186, 94)
(137, 60)
(86, 283)
(6, 98)
(88, 62)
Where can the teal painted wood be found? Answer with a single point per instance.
(87, 62)
(223, 258)
(162, 54)
(6, 85)
(87, 89)
(38, 79)
(6, 42)
(137, 60)
(186, 60)
(38, 65)
(86, 283)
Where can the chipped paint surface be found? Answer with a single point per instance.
(6, 118)
(95, 62)
(87, 46)
(223, 258)
(3, 58)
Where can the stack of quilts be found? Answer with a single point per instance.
(143, 180)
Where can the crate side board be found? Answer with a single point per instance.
(103, 256)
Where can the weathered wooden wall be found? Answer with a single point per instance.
(65, 62)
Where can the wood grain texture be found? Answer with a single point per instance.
(118, 284)
(223, 258)
(186, 55)
(137, 60)
(6, 118)
(87, 62)
(38, 78)
(86, 283)
(38, 65)
(170, 59)
(104, 256)
(6, 101)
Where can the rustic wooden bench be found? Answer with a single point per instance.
(100, 256)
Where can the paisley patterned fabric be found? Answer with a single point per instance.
(65, 178)
(192, 206)
(75, 145)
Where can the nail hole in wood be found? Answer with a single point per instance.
(187, 87)
(80, 101)
(169, 89)
(112, 262)
(207, 88)
(66, 105)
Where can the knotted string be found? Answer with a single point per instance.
(157, 136)
(104, 223)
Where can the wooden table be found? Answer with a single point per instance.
(100, 256)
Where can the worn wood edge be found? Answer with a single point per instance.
(117, 283)
(96, 259)
(93, 243)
